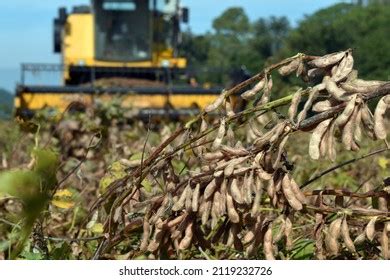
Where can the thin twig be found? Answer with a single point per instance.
(68, 239)
(4, 221)
(90, 146)
(349, 193)
(323, 173)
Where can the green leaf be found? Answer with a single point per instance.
(303, 250)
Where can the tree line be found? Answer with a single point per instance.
(237, 43)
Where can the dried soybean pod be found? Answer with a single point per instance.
(327, 60)
(357, 136)
(203, 125)
(315, 139)
(218, 173)
(271, 189)
(361, 86)
(213, 156)
(368, 121)
(205, 213)
(289, 194)
(216, 207)
(267, 90)
(268, 244)
(346, 114)
(264, 139)
(241, 171)
(280, 151)
(324, 143)
(232, 164)
(312, 97)
(318, 229)
(370, 229)
(297, 191)
(385, 242)
(145, 235)
(263, 175)
(258, 238)
(349, 129)
(287, 233)
(336, 92)
(281, 230)
(292, 110)
(222, 191)
(379, 124)
(278, 182)
(249, 236)
(345, 67)
(239, 152)
(247, 187)
(290, 67)
(157, 238)
(322, 106)
(278, 130)
(360, 239)
(229, 108)
(163, 208)
(258, 193)
(332, 236)
(331, 142)
(220, 134)
(235, 191)
(210, 189)
(230, 239)
(217, 103)
(346, 237)
(253, 91)
(195, 198)
(188, 203)
(181, 202)
(176, 221)
(232, 212)
(185, 243)
(301, 68)
(222, 203)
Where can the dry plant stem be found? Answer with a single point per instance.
(236, 89)
(357, 212)
(81, 239)
(90, 146)
(323, 173)
(347, 193)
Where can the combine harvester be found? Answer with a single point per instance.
(125, 48)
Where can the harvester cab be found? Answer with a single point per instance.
(118, 47)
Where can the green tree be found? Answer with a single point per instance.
(366, 29)
(236, 42)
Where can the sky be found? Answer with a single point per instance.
(26, 25)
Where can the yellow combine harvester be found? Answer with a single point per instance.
(130, 41)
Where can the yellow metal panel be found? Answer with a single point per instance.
(79, 39)
(136, 100)
(189, 100)
(173, 62)
(36, 101)
(60, 101)
(16, 102)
